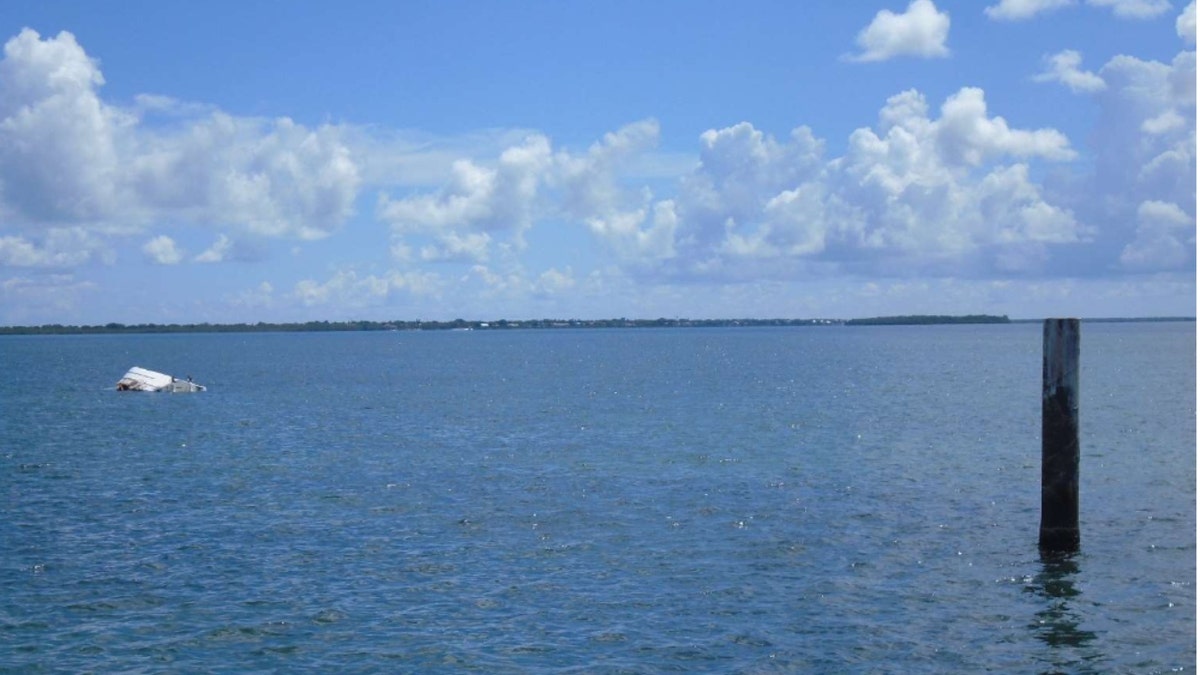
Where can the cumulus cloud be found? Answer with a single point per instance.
(59, 144)
(272, 178)
(499, 197)
(644, 234)
(921, 190)
(1063, 67)
(1134, 9)
(916, 192)
(69, 158)
(482, 207)
(966, 134)
(1185, 24)
(1165, 238)
(1016, 10)
(589, 181)
(914, 185)
(954, 189)
(721, 205)
(1143, 157)
(626, 220)
(489, 205)
(1147, 121)
(162, 250)
(921, 31)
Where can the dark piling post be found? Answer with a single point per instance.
(1060, 436)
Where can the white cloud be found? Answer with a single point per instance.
(490, 198)
(1016, 10)
(966, 134)
(162, 250)
(1145, 157)
(921, 191)
(1185, 24)
(454, 246)
(554, 281)
(349, 292)
(589, 180)
(343, 288)
(1165, 238)
(918, 193)
(955, 190)
(644, 234)
(18, 252)
(1134, 9)
(59, 248)
(275, 179)
(1064, 67)
(625, 219)
(490, 205)
(912, 188)
(218, 252)
(797, 220)
(1147, 121)
(66, 156)
(491, 289)
(59, 144)
(387, 157)
(741, 170)
(1167, 122)
(920, 31)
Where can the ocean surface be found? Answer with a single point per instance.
(826, 499)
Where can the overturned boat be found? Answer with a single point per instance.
(141, 379)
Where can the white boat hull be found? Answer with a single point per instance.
(141, 379)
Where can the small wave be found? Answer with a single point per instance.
(327, 616)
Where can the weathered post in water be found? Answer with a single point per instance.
(1060, 436)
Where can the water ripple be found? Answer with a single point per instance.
(675, 501)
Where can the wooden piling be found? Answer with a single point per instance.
(1059, 531)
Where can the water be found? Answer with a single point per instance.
(703, 500)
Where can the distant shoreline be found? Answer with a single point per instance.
(927, 320)
(537, 324)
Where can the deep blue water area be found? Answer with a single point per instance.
(825, 499)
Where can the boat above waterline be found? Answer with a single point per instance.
(142, 379)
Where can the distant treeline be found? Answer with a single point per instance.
(926, 320)
(457, 324)
(506, 324)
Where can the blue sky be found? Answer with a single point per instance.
(294, 161)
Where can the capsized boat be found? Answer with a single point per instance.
(141, 379)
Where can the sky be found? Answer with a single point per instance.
(244, 161)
